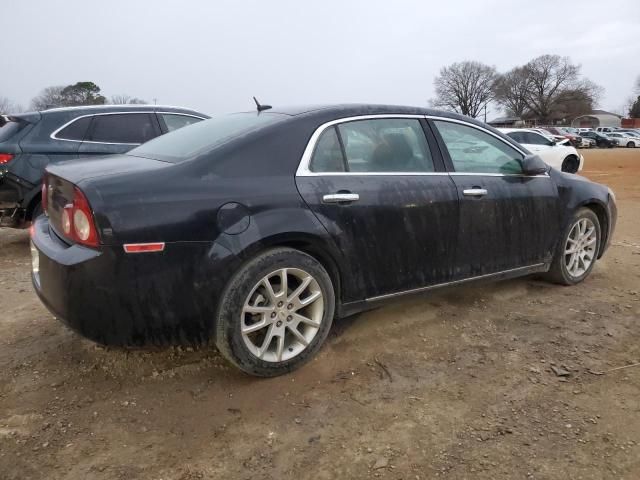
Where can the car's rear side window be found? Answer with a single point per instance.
(185, 143)
(132, 128)
(75, 130)
(475, 151)
(327, 156)
(384, 145)
(174, 121)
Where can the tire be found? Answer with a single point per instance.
(247, 290)
(631, 145)
(564, 272)
(570, 164)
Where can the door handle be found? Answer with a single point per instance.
(340, 197)
(475, 192)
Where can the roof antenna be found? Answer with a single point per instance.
(261, 108)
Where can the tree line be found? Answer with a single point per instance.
(547, 87)
(80, 93)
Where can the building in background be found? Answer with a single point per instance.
(597, 118)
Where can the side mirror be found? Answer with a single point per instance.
(533, 165)
(552, 143)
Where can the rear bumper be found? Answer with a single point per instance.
(115, 298)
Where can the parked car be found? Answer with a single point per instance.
(630, 131)
(587, 142)
(255, 230)
(624, 140)
(575, 140)
(584, 129)
(563, 157)
(30, 141)
(606, 129)
(601, 140)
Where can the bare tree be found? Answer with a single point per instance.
(7, 106)
(126, 99)
(465, 87)
(511, 91)
(549, 76)
(49, 97)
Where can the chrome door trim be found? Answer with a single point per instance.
(303, 166)
(455, 282)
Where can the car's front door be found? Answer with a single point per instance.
(386, 201)
(508, 220)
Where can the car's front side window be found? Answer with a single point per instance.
(536, 139)
(475, 151)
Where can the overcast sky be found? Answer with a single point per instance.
(214, 55)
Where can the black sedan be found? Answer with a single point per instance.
(602, 141)
(255, 230)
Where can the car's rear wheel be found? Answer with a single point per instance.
(577, 249)
(275, 313)
(570, 164)
(631, 145)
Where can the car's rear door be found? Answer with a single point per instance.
(111, 133)
(384, 197)
(508, 220)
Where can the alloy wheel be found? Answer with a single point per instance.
(580, 247)
(282, 314)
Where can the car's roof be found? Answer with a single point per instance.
(89, 109)
(360, 109)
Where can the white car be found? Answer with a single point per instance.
(561, 157)
(624, 139)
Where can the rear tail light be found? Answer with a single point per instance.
(77, 221)
(5, 158)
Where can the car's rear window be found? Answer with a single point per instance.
(9, 129)
(187, 142)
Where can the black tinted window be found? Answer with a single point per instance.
(536, 139)
(122, 128)
(517, 136)
(75, 130)
(176, 121)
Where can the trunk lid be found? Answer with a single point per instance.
(76, 171)
(62, 179)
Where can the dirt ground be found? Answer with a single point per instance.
(454, 385)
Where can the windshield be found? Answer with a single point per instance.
(184, 143)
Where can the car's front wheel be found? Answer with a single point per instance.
(275, 313)
(570, 164)
(631, 144)
(577, 249)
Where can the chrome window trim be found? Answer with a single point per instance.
(303, 167)
(55, 132)
(304, 171)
